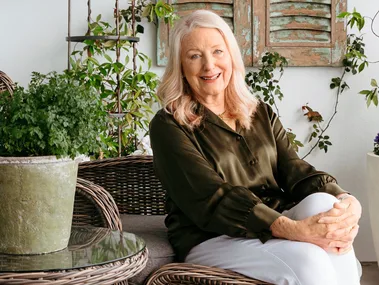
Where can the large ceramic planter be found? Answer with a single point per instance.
(37, 198)
(373, 197)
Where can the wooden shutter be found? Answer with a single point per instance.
(237, 13)
(306, 32)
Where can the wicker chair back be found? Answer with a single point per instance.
(131, 182)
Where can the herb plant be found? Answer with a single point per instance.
(117, 70)
(54, 116)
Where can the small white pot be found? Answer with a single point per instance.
(373, 197)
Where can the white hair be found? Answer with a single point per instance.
(176, 95)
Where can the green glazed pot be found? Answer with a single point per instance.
(37, 200)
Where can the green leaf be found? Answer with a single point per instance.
(365, 92)
(375, 97)
(147, 10)
(109, 44)
(343, 15)
(72, 62)
(107, 57)
(361, 67)
(374, 83)
(368, 102)
(140, 29)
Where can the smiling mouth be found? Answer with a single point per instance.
(210, 77)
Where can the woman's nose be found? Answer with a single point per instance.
(208, 63)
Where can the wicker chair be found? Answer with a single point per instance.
(136, 190)
(6, 84)
(94, 206)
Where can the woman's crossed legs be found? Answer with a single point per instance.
(278, 261)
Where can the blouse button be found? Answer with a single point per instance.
(238, 138)
(252, 162)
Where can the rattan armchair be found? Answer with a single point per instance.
(136, 190)
(6, 84)
(94, 206)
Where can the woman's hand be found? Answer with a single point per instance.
(345, 213)
(336, 236)
(307, 230)
(348, 210)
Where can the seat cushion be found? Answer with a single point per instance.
(154, 232)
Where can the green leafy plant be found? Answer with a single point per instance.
(54, 116)
(115, 69)
(264, 83)
(355, 62)
(151, 11)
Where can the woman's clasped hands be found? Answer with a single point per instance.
(341, 223)
(334, 230)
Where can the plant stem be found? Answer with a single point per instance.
(276, 107)
(372, 23)
(118, 52)
(331, 118)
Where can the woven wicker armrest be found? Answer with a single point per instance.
(186, 273)
(6, 84)
(95, 206)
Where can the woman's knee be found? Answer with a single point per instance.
(313, 205)
(312, 266)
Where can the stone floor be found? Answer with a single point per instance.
(370, 273)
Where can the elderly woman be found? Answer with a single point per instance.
(238, 196)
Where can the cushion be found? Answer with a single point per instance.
(154, 232)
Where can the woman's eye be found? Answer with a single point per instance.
(195, 56)
(218, 51)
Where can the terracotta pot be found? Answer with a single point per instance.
(37, 198)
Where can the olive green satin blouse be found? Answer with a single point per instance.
(220, 181)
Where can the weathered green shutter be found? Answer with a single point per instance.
(237, 13)
(306, 32)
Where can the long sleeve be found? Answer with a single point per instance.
(295, 175)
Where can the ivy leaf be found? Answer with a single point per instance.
(140, 29)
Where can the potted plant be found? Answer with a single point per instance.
(42, 129)
(373, 192)
(121, 73)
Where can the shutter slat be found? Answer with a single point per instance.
(303, 1)
(296, 37)
(202, 1)
(294, 9)
(300, 23)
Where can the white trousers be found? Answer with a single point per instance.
(279, 261)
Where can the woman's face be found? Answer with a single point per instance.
(206, 62)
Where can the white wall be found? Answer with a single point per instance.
(33, 39)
